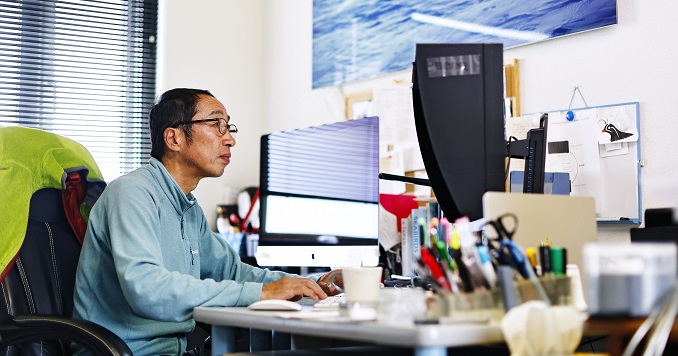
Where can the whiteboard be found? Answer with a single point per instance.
(600, 147)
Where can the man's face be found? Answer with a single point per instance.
(209, 152)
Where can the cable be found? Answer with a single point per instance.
(660, 334)
(655, 313)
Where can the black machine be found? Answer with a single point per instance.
(458, 92)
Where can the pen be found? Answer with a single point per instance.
(519, 260)
(435, 269)
(443, 231)
(486, 266)
(442, 253)
(452, 278)
(545, 259)
(463, 271)
(425, 275)
(469, 254)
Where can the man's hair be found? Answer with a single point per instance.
(172, 107)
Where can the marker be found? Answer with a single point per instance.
(545, 259)
(558, 260)
(486, 266)
(519, 261)
(443, 254)
(531, 254)
(444, 232)
(435, 269)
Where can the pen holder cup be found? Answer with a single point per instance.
(477, 306)
(488, 304)
(558, 290)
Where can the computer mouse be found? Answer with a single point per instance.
(275, 304)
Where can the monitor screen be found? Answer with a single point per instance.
(320, 195)
(458, 107)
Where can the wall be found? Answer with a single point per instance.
(632, 61)
(218, 45)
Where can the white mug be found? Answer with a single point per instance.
(361, 284)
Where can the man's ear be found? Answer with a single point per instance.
(174, 138)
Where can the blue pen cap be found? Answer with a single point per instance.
(484, 254)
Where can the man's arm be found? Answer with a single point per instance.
(151, 266)
(221, 261)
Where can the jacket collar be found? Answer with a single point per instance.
(170, 187)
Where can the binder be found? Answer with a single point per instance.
(407, 258)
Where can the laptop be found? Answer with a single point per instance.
(567, 221)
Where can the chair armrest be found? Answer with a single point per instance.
(95, 338)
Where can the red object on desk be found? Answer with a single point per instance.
(399, 205)
(436, 270)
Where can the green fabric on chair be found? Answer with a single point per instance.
(30, 160)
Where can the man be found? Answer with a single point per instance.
(149, 256)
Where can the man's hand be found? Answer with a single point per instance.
(292, 289)
(328, 286)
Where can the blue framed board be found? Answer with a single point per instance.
(599, 147)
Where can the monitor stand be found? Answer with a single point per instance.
(533, 151)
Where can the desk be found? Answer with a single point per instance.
(619, 331)
(424, 339)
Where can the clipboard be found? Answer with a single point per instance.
(600, 147)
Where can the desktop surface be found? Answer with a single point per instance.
(407, 335)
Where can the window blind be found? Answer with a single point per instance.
(84, 70)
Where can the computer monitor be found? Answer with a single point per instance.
(458, 92)
(319, 194)
(458, 96)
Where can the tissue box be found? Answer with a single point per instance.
(628, 279)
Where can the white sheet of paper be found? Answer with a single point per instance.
(393, 105)
(583, 161)
(612, 149)
(388, 229)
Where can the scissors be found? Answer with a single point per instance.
(509, 253)
(499, 226)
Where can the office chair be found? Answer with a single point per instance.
(38, 281)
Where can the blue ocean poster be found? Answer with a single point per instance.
(361, 39)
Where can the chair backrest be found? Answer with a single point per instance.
(43, 276)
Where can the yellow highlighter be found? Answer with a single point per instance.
(531, 254)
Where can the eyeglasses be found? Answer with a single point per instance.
(222, 125)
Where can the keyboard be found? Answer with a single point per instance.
(332, 302)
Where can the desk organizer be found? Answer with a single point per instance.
(628, 279)
(487, 305)
(557, 288)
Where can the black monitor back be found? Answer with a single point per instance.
(458, 95)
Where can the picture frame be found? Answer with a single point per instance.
(512, 87)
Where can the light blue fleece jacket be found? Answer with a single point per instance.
(149, 257)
